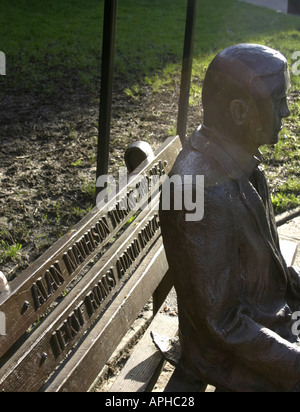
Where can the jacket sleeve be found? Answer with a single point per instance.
(208, 253)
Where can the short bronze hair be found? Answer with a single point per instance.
(238, 72)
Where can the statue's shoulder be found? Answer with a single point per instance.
(189, 161)
(195, 160)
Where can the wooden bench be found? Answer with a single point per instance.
(68, 312)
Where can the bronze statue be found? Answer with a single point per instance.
(236, 294)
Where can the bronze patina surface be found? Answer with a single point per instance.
(236, 295)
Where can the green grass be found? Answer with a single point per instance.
(283, 165)
(46, 40)
(283, 201)
(9, 252)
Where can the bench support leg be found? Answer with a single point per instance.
(162, 292)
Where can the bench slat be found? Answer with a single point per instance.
(146, 358)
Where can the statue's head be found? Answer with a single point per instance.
(245, 94)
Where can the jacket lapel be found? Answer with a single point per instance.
(254, 203)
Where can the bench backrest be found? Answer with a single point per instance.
(65, 303)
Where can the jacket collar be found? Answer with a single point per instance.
(236, 155)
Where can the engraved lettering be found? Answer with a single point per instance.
(95, 236)
(83, 247)
(120, 269)
(91, 303)
(70, 261)
(39, 297)
(89, 241)
(111, 215)
(48, 284)
(136, 247)
(54, 279)
(111, 279)
(78, 252)
(68, 330)
(103, 228)
(142, 243)
(57, 343)
(100, 291)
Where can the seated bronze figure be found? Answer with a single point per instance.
(236, 294)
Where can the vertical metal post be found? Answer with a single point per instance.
(108, 52)
(187, 64)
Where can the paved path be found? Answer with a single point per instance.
(279, 5)
(292, 230)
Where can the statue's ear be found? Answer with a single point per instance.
(239, 110)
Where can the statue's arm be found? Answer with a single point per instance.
(294, 283)
(295, 276)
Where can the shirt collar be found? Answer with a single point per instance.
(246, 161)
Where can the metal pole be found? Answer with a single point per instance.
(108, 52)
(187, 64)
